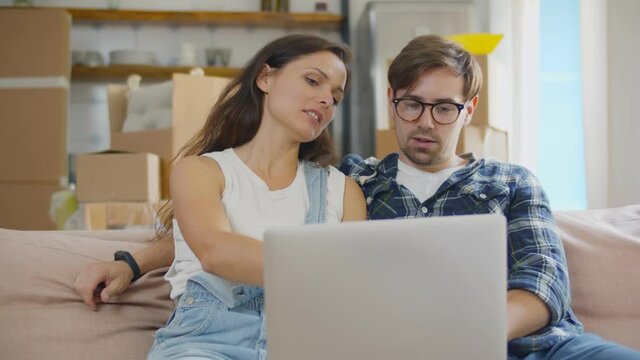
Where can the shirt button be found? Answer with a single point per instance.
(369, 200)
(238, 291)
(424, 209)
(190, 300)
(483, 196)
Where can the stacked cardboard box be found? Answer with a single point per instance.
(119, 177)
(124, 187)
(483, 136)
(34, 78)
(193, 98)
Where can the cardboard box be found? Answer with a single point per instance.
(33, 134)
(481, 113)
(386, 143)
(193, 98)
(25, 206)
(34, 43)
(34, 77)
(119, 215)
(483, 141)
(118, 177)
(34, 81)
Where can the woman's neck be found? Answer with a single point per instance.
(273, 158)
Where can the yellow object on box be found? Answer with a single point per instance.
(63, 205)
(477, 44)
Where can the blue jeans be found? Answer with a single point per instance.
(203, 327)
(588, 347)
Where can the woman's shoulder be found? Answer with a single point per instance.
(219, 155)
(195, 168)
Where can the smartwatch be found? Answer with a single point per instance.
(125, 256)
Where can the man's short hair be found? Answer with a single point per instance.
(429, 52)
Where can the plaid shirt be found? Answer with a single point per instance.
(536, 260)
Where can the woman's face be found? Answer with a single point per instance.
(302, 95)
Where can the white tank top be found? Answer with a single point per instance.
(252, 208)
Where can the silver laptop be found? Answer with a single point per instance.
(432, 288)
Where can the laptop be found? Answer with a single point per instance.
(428, 288)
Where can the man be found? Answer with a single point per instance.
(433, 91)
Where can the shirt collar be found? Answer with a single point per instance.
(388, 167)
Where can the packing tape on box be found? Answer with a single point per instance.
(38, 82)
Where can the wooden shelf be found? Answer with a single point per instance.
(323, 21)
(80, 72)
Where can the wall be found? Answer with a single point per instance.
(624, 92)
(593, 23)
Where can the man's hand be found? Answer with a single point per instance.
(100, 281)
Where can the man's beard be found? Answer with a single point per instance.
(417, 157)
(424, 157)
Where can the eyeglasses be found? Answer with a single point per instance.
(443, 113)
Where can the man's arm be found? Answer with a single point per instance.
(538, 278)
(526, 313)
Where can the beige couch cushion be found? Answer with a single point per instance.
(43, 318)
(603, 252)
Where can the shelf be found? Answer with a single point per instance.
(322, 21)
(80, 72)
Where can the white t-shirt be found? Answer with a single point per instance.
(252, 208)
(423, 184)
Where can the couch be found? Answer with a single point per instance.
(42, 317)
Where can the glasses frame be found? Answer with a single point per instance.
(460, 107)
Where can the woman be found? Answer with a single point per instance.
(261, 155)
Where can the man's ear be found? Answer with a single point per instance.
(391, 110)
(263, 81)
(470, 107)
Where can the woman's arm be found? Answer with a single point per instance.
(197, 184)
(116, 276)
(354, 206)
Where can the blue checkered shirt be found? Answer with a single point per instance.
(536, 260)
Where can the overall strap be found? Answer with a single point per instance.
(316, 178)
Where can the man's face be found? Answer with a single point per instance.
(424, 143)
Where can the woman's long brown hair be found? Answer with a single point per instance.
(234, 120)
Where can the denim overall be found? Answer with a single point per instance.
(217, 319)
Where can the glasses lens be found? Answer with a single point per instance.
(408, 109)
(445, 113)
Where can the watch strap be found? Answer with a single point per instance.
(125, 256)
